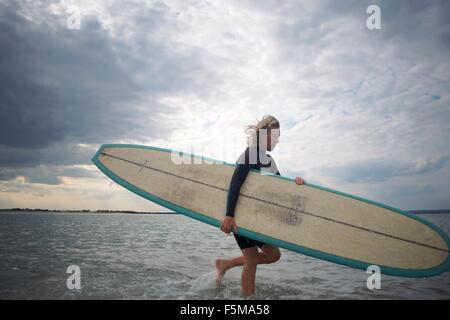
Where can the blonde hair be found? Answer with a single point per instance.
(268, 122)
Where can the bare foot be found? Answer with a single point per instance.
(220, 266)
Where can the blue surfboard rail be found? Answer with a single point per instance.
(414, 273)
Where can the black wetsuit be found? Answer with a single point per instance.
(249, 159)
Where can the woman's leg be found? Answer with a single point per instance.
(250, 259)
(269, 254)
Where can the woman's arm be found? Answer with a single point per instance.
(239, 175)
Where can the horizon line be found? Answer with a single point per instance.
(172, 212)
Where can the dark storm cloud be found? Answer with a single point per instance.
(58, 83)
(61, 87)
(45, 174)
(55, 154)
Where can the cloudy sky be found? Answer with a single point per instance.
(362, 111)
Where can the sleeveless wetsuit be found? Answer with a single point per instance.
(251, 158)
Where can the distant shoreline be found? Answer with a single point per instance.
(82, 211)
(441, 211)
(429, 211)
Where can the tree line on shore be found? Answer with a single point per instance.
(84, 211)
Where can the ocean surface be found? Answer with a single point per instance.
(134, 256)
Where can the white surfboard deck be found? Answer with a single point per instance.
(307, 219)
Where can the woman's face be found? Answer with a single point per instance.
(273, 136)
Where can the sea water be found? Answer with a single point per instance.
(157, 256)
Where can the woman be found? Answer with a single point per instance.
(263, 137)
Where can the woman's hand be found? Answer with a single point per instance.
(299, 181)
(228, 223)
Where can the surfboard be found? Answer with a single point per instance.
(307, 219)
